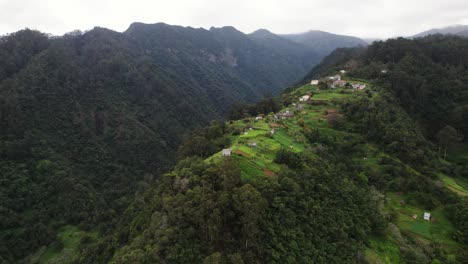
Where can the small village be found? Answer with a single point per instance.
(261, 136)
(336, 81)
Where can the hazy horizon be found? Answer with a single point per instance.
(364, 18)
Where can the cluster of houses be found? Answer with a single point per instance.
(284, 115)
(336, 81)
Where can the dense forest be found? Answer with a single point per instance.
(318, 200)
(88, 119)
(93, 123)
(427, 75)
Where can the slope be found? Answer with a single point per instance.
(88, 119)
(327, 179)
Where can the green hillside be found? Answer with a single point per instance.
(289, 173)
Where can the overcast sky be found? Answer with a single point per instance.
(362, 18)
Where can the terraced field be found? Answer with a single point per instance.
(258, 160)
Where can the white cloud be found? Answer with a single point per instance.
(364, 18)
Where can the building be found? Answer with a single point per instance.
(427, 216)
(358, 86)
(337, 77)
(314, 82)
(342, 71)
(226, 152)
(304, 98)
(253, 144)
(338, 83)
(285, 115)
(259, 118)
(384, 71)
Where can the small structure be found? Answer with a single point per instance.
(299, 107)
(427, 216)
(304, 98)
(285, 115)
(338, 83)
(337, 77)
(314, 82)
(358, 86)
(415, 217)
(259, 117)
(384, 71)
(227, 152)
(253, 144)
(342, 71)
(272, 132)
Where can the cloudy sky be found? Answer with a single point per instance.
(362, 18)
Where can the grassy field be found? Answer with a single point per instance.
(438, 229)
(457, 185)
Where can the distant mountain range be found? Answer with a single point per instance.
(323, 42)
(460, 30)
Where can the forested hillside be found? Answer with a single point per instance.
(92, 124)
(334, 182)
(89, 119)
(347, 176)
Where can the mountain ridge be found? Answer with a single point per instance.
(453, 29)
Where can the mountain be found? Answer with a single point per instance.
(296, 51)
(463, 33)
(320, 175)
(324, 43)
(453, 30)
(89, 119)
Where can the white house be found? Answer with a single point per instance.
(226, 152)
(304, 98)
(427, 216)
(314, 82)
(358, 86)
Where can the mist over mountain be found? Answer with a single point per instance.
(324, 42)
(460, 30)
